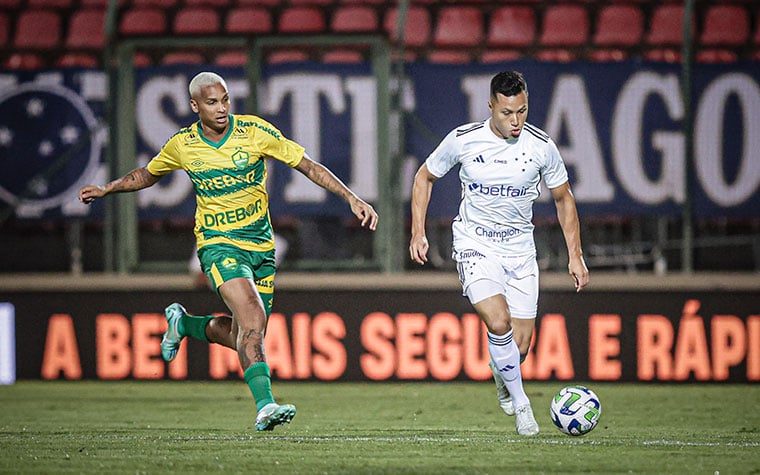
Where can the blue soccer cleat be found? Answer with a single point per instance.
(172, 338)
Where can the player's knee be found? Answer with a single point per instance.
(500, 327)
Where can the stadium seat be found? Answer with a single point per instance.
(500, 55)
(725, 25)
(20, 61)
(196, 21)
(564, 26)
(4, 27)
(311, 2)
(458, 26)
(183, 57)
(287, 56)
(440, 56)
(9, 4)
(49, 4)
(258, 3)
(716, 55)
(301, 20)
(619, 25)
(416, 29)
(208, 3)
(231, 58)
(86, 29)
(666, 26)
(37, 29)
(248, 20)
(77, 60)
(155, 3)
(354, 19)
(143, 21)
(512, 26)
(343, 56)
(556, 55)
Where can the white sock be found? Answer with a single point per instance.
(506, 356)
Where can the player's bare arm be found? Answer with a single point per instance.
(323, 177)
(421, 190)
(137, 179)
(567, 213)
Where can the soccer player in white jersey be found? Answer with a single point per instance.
(502, 160)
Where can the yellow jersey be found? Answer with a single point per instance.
(229, 178)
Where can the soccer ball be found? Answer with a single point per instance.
(575, 410)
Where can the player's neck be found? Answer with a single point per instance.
(213, 134)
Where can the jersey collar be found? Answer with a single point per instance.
(224, 139)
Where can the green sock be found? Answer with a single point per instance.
(259, 380)
(194, 326)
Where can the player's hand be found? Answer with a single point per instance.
(418, 248)
(579, 271)
(365, 212)
(90, 193)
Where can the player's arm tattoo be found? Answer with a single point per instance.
(137, 179)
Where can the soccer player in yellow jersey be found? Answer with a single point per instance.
(224, 155)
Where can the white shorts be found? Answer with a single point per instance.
(515, 277)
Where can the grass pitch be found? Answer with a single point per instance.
(354, 428)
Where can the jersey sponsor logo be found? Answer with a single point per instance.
(232, 216)
(266, 129)
(225, 181)
(469, 254)
(497, 235)
(507, 191)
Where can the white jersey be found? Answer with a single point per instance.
(500, 181)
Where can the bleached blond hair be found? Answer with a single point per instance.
(204, 79)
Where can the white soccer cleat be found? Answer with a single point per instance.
(273, 415)
(502, 394)
(525, 422)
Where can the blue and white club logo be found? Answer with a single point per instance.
(50, 145)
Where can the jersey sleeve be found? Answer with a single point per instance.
(445, 156)
(275, 145)
(167, 159)
(553, 171)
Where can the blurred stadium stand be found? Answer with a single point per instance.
(69, 33)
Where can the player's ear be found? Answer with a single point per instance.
(194, 106)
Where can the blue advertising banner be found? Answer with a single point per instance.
(619, 127)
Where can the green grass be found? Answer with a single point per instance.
(205, 427)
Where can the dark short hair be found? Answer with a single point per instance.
(508, 83)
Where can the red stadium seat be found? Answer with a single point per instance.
(666, 26)
(416, 29)
(512, 26)
(155, 3)
(77, 60)
(143, 21)
(196, 21)
(248, 20)
(43, 4)
(9, 4)
(449, 57)
(231, 58)
(725, 25)
(500, 56)
(564, 25)
(311, 2)
(343, 56)
(619, 25)
(37, 29)
(458, 26)
(353, 19)
(4, 27)
(301, 20)
(183, 57)
(20, 61)
(717, 56)
(287, 56)
(86, 29)
(208, 3)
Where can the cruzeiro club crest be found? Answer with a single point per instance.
(50, 143)
(240, 158)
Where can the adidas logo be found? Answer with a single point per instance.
(479, 159)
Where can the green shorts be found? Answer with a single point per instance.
(223, 262)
